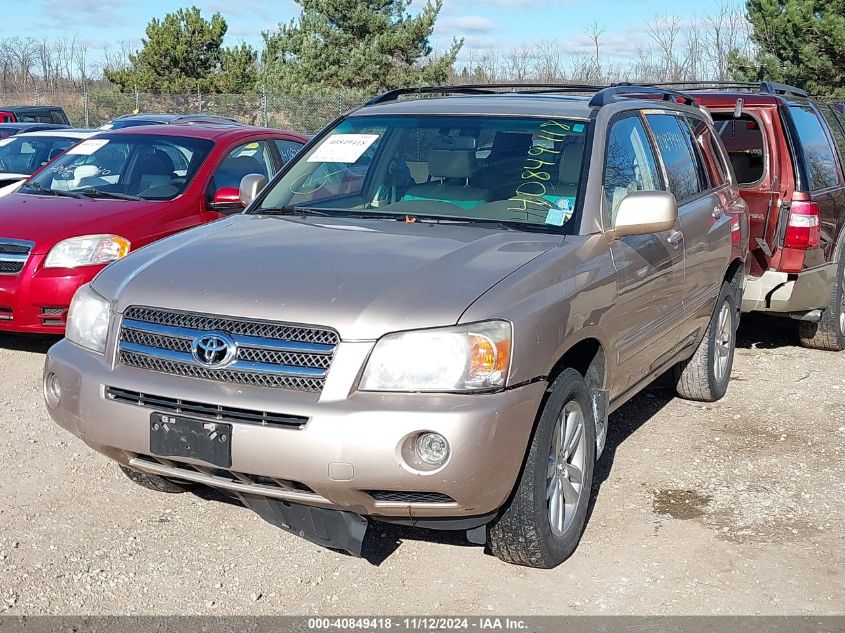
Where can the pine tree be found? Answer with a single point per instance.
(183, 52)
(800, 42)
(364, 45)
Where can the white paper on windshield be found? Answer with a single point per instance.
(86, 148)
(343, 148)
(6, 141)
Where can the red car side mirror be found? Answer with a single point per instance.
(226, 199)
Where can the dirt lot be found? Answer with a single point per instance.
(735, 508)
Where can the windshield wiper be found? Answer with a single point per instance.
(290, 211)
(53, 192)
(96, 193)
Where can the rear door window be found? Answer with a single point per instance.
(834, 122)
(686, 176)
(819, 156)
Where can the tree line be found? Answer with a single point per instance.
(371, 45)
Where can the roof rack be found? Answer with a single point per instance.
(485, 89)
(764, 87)
(203, 118)
(603, 94)
(611, 94)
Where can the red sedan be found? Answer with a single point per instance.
(114, 193)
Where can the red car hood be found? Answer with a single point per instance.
(47, 220)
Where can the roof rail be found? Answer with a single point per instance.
(484, 89)
(773, 88)
(764, 87)
(611, 94)
(603, 94)
(203, 118)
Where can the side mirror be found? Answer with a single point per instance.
(226, 200)
(643, 212)
(251, 185)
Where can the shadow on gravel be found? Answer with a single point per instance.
(623, 423)
(381, 540)
(35, 343)
(758, 331)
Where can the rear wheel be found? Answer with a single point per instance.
(706, 375)
(543, 522)
(829, 333)
(154, 482)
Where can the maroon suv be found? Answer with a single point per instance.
(787, 153)
(116, 192)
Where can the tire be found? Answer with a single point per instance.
(705, 376)
(523, 533)
(829, 333)
(154, 482)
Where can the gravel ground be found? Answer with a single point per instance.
(732, 508)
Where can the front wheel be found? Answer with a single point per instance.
(543, 522)
(706, 375)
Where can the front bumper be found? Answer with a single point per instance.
(36, 300)
(350, 446)
(789, 292)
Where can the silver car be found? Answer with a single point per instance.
(425, 319)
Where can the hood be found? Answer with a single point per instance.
(361, 277)
(47, 220)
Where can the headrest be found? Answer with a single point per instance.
(510, 144)
(570, 164)
(155, 165)
(454, 143)
(451, 163)
(243, 165)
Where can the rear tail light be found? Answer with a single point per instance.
(802, 227)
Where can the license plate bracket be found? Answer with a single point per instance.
(204, 440)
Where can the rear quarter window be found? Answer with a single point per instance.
(819, 156)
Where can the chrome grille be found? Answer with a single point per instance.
(13, 255)
(270, 355)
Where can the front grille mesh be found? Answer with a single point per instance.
(256, 379)
(397, 496)
(258, 329)
(11, 268)
(256, 363)
(11, 253)
(8, 248)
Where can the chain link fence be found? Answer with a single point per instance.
(306, 113)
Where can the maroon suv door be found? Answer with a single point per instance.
(751, 142)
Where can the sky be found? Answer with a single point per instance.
(484, 24)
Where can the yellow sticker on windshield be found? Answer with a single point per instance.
(251, 145)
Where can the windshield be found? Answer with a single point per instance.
(470, 168)
(147, 167)
(25, 154)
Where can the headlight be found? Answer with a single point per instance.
(462, 358)
(88, 320)
(86, 251)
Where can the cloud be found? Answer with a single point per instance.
(466, 23)
(65, 13)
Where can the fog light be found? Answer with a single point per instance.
(432, 448)
(52, 389)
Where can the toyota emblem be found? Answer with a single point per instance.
(214, 350)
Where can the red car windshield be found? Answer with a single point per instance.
(145, 167)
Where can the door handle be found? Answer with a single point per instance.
(675, 238)
(717, 212)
